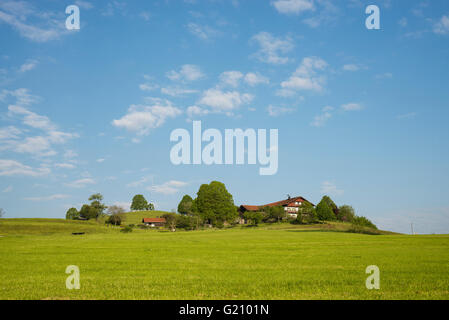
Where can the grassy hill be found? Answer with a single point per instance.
(278, 261)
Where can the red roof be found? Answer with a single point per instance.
(284, 203)
(153, 220)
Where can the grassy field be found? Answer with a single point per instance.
(269, 262)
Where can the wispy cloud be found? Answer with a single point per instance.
(170, 187)
(48, 198)
(31, 23)
(308, 76)
(272, 49)
(15, 168)
(329, 188)
(81, 183)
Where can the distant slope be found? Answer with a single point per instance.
(135, 217)
(49, 226)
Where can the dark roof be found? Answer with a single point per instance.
(284, 203)
(153, 220)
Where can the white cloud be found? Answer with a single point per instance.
(272, 50)
(141, 118)
(28, 66)
(293, 6)
(442, 26)
(226, 102)
(306, 76)
(231, 78)
(148, 87)
(170, 187)
(254, 79)
(81, 183)
(386, 75)
(139, 182)
(351, 67)
(320, 120)
(45, 26)
(407, 115)
(101, 160)
(65, 165)
(13, 168)
(329, 188)
(193, 111)
(278, 111)
(176, 91)
(188, 72)
(84, 4)
(352, 107)
(403, 22)
(203, 32)
(48, 198)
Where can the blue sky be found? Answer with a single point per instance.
(362, 114)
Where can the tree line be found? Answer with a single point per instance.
(114, 214)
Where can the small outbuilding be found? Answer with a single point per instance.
(154, 222)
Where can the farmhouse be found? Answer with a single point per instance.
(291, 206)
(154, 222)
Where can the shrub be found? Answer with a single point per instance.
(363, 222)
(324, 211)
(72, 214)
(115, 220)
(254, 217)
(127, 229)
(346, 213)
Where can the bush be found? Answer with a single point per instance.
(324, 211)
(115, 220)
(346, 213)
(186, 222)
(363, 222)
(72, 214)
(254, 217)
(127, 229)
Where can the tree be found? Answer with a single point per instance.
(88, 212)
(331, 204)
(150, 207)
(254, 217)
(186, 222)
(324, 211)
(307, 213)
(139, 203)
(96, 205)
(364, 222)
(346, 213)
(215, 204)
(72, 214)
(115, 210)
(2, 212)
(276, 213)
(115, 220)
(185, 206)
(170, 219)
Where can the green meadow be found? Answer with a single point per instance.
(279, 261)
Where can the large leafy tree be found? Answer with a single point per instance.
(88, 212)
(215, 203)
(307, 213)
(139, 203)
(346, 213)
(72, 214)
(324, 211)
(185, 206)
(276, 213)
(97, 205)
